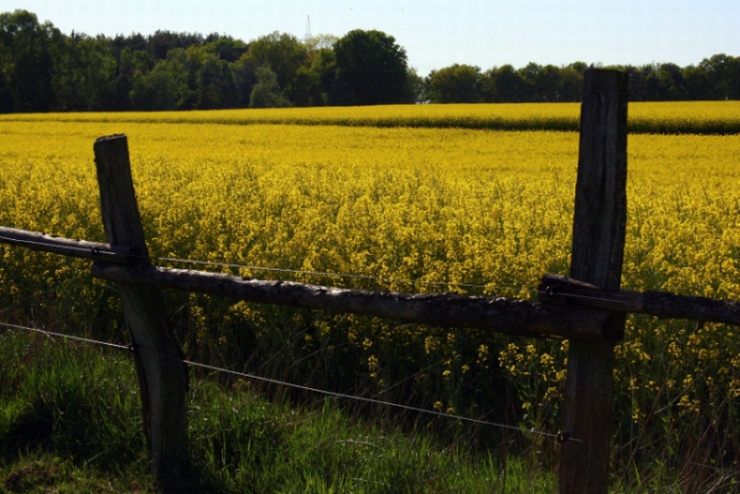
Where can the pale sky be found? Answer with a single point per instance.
(436, 33)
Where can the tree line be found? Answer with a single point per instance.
(42, 69)
(715, 78)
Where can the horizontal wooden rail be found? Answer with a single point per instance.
(65, 246)
(500, 314)
(506, 315)
(564, 291)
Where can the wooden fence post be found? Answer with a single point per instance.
(598, 249)
(162, 374)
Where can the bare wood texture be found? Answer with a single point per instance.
(564, 291)
(64, 246)
(598, 249)
(162, 375)
(510, 316)
(601, 198)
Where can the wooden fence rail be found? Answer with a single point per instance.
(501, 314)
(587, 308)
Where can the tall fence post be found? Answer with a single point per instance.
(161, 372)
(598, 250)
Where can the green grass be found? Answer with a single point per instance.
(70, 422)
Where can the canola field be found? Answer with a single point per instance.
(694, 117)
(409, 208)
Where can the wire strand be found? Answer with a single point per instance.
(298, 386)
(373, 401)
(531, 431)
(343, 275)
(66, 336)
(285, 270)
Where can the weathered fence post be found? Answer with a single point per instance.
(598, 249)
(162, 374)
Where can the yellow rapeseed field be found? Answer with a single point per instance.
(448, 207)
(698, 117)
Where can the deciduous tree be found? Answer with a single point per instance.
(27, 61)
(371, 69)
(455, 84)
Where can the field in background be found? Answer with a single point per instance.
(486, 208)
(689, 117)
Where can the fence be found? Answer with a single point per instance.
(587, 308)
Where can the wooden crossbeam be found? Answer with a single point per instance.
(554, 290)
(67, 247)
(500, 314)
(563, 291)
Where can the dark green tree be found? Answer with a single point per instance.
(320, 42)
(285, 55)
(571, 80)
(215, 87)
(529, 75)
(731, 78)
(156, 90)
(123, 82)
(724, 73)
(27, 60)
(548, 84)
(698, 82)
(266, 93)
(245, 77)
(225, 47)
(638, 82)
(167, 86)
(134, 42)
(84, 75)
(160, 43)
(416, 87)
(42, 69)
(7, 102)
(371, 69)
(455, 84)
(671, 83)
(509, 85)
(315, 76)
(579, 66)
(323, 71)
